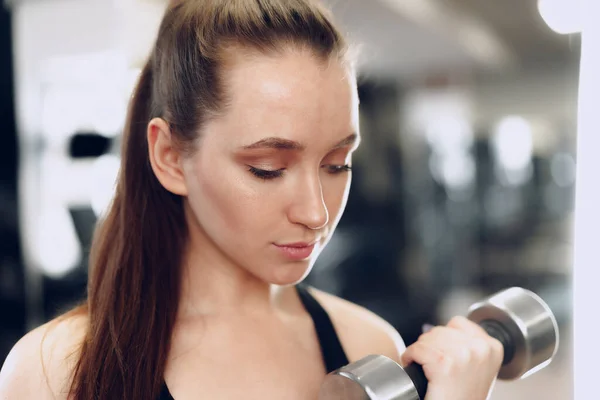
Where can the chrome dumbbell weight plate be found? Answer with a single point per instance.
(374, 377)
(530, 324)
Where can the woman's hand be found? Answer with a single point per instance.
(460, 360)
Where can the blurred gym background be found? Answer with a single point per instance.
(464, 183)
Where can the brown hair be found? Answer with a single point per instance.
(136, 256)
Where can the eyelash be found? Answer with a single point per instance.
(268, 174)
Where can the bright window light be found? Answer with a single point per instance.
(104, 174)
(562, 16)
(58, 249)
(513, 143)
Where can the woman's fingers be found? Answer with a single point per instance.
(421, 353)
(465, 325)
(460, 360)
(470, 328)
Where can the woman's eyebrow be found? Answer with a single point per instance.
(275, 143)
(287, 144)
(350, 140)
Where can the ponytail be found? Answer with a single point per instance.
(134, 274)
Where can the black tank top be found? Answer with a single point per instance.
(332, 351)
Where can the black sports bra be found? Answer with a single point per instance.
(333, 353)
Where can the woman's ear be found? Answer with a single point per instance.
(165, 159)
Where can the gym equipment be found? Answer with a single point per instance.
(517, 317)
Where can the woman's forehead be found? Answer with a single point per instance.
(291, 96)
(280, 76)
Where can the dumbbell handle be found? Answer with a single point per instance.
(417, 376)
(493, 328)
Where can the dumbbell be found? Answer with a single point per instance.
(517, 317)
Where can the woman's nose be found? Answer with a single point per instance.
(308, 205)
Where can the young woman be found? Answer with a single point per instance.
(235, 172)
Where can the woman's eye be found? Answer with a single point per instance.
(265, 173)
(337, 169)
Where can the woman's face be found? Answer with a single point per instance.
(269, 181)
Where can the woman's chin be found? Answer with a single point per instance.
(290, 274)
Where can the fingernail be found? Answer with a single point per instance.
(426, 328)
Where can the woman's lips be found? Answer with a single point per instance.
(296, 251)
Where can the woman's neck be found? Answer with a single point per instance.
(212, 284)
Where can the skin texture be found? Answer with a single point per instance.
(241, 331)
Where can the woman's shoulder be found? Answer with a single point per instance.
(361, 331)
(41, 363)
